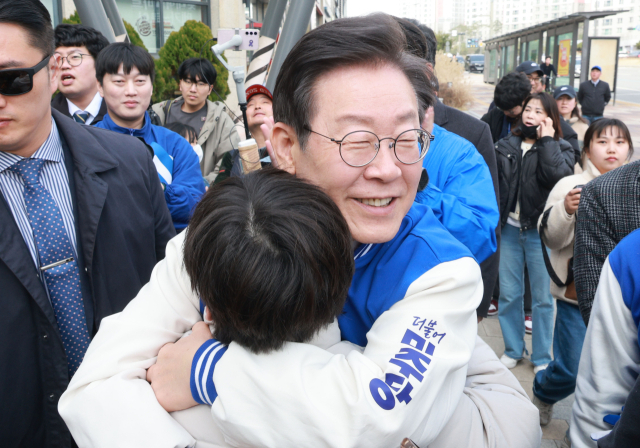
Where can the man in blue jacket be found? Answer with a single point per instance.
(125, 80)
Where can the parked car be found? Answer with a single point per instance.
(460, 60)
(474, 63)
(635, 54)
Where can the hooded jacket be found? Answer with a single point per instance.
(218, 135)
(186, 187)
(530, 179)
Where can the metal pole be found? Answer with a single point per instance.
(111, 9)
(261, 59)
(92, 14)
(295, 26)
(273, 18)
(584, 70)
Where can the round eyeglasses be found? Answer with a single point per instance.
(74, 59)
(359, 148)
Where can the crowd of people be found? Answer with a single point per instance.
(331, 298)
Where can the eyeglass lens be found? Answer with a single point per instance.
(15, 82)
(361, 147)
(74, 59)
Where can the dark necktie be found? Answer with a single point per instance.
(52, 241)
(81, 117)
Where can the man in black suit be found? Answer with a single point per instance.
(78, 47)
(83, 221)
(479, 134)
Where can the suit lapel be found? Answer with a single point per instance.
(15, 254)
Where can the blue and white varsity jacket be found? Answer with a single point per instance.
(610, 359)
(460, 192)
(411, 304)
(177, 165)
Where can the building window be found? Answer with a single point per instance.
(607, 32)
(607, 3)
(619, 31)
(156, 20)
(607, 22)
(55, 10)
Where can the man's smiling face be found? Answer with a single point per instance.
(374, 198)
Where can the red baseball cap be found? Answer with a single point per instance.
(257, 88)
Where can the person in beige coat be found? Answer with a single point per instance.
(216, 131)
(607, 145)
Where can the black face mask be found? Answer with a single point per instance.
(529, 131)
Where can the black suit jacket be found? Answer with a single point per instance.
(59, 103)
(479, 134)
(122, 227)
(609, 210)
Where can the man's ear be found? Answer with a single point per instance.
(100, 89)
(285, 144)
(53, 73)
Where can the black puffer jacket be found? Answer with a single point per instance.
(530, 180)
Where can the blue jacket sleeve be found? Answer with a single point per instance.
(461, 194)
(187, 186)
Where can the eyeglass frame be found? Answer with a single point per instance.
(395, 140)
(67, 58)
(31, 71)
(191, 82)
(538, 79)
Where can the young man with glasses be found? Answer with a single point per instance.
(83, 222)
(216, 132)
(78, 47)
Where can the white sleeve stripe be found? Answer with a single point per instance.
(205, 375)
(199, 366)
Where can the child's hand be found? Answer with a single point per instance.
(171, 374)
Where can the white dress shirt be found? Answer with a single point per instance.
(93, 109)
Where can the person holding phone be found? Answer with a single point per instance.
(607, 145)
(530, 162)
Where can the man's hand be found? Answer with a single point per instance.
(170, 375)
(267, 128)
(572, 200)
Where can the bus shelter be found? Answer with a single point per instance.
(557, 38)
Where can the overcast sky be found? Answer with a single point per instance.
(361, 7)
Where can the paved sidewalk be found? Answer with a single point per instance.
(553, 433)
(629, 113)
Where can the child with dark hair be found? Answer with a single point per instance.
(125, 76)
(270, 257)
(214, 127)
(77, 47)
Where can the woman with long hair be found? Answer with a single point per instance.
(607, 146)
(530, 162)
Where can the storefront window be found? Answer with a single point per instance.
(156, 20)
(176, 14)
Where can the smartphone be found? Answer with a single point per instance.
(249, 38)
(579, 186)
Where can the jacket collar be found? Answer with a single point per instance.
(146, 132)
(591, 170)
(88, 154)
(440, 116)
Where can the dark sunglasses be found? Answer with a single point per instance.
(18, 81)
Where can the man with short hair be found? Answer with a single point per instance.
(83, 223)
(216, 132)
(508, 96)
(548, 70)
(125, 76)
(594, 95)
(78, 47)
(348, 105)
